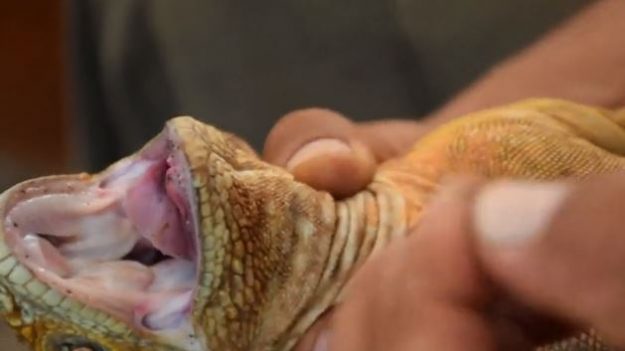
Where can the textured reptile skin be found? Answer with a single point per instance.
(276, 254)
(536, 139)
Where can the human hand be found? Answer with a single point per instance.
(493, 266)
(467, 279)
(329, 152)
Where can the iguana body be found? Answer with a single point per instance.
(263, 255)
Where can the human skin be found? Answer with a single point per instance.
(581, 60)
(558, 266)
(163, 160)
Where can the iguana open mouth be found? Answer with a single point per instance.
(124, 242)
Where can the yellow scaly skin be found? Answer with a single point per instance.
(276, 253)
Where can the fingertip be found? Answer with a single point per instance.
(300, 127)
(555, 248)
(321, 149)
(510, 213)
(333, 166)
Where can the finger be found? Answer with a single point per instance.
(391, 137)
(559, 248)
(321, 148)
(430, 291)
(424, 292)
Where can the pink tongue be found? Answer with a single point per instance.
(155, 216)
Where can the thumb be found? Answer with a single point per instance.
(321, 148)
(559, 248)
(329, 152)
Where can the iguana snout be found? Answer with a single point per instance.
(115, 253)
(116, 242)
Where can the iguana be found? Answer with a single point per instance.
(194, 243)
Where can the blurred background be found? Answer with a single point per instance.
(84, 82)
(33, 129)
(33, 133)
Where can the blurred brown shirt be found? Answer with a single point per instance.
(240, 64)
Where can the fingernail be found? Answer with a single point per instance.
(316, 148)
(514, 212)
(323, 341)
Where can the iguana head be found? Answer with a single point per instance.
(192, 243)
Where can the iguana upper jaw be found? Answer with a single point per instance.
(124, 241)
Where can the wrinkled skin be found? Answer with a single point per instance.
(194, 243)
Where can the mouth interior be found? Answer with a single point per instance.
(125, 244)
